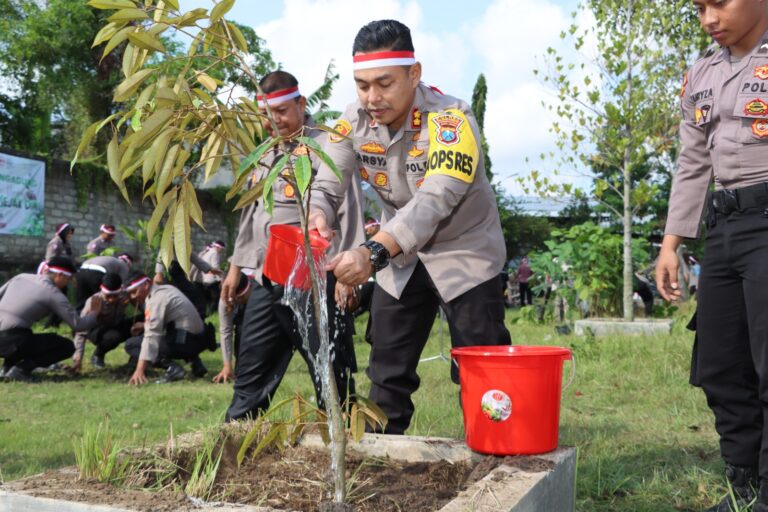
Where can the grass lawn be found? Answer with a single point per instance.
(645, 438)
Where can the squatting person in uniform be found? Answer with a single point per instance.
(231, 326)
(209, 283)
(724, 135)
(172, 329)
(270, 330)
(93, 270)
(178, 278)
(113, 327)
(440, 242)
(24, 300)
(104, 241)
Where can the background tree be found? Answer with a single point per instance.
(479, 95)
(617, 113)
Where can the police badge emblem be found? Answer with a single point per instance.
(447, 132)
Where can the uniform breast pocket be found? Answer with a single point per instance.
(415, 170)
(752, 112)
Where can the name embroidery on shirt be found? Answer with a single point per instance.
(701, 95)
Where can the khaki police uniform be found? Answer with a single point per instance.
(208, 284)
(24, 300)
(57, 247)
(441, 210)
(111, 329)
(724, 135)
(173, 329)
(269, 329)
(178, 278)
(98, 245)
(92, 271)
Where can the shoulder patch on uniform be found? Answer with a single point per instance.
(342, 129)
(453, 150)
(685, 84)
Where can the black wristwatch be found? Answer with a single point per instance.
(379, 254)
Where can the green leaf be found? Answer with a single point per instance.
(131, 84)
(256, 155)
(88, 134)
(157, 214)
(113, 163)
(146, 41)
(129, 15)
(251, 195)
(166, 173)
(112, 4)
(191, 204)
(136, 121)
(182, 244)
(237, 35)
(270, 180)
(271, 439)
(302, 169)
(152, 125)
(220, 10)
(315, 147)
(120, 36)
(106, 32)
(166, 243)
(248, 441)
(207, 82)
(173, 4)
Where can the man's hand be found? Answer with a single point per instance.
(667, 267)
(137, 328)
(77, 364)
(229, 286)
(225, 375)
(347, 297)
(96, 305)
(138, 376)
(158, 279)
(318, 221)
(352, 267)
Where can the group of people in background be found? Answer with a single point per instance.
(437, 246)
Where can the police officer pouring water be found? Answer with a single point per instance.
(440, 242)
(724, 134)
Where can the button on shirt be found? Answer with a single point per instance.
(437, 202)
(724, 132)
(27, 298)
(166, 304)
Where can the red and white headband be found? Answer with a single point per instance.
(382, 59)
(62, 228)
(59, 270)
(136, 283)
(125, 259)
(217, 245)
(372, 224)
(107, 291)
(273, 98)
(105, 229)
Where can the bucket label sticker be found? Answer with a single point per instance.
(496, 405)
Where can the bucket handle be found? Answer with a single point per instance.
(573, 372)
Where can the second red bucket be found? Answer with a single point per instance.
(284, 243)
(510, 397)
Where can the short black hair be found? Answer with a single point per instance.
(112, 281)
(383, 35)
(220, 242)
(277, 80)
(125, 255)
(63, 263)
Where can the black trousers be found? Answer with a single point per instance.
(28, 351)
(526, 297)
(108, 338)
(176, 344)
(269, 337)
(732, 329)
(400, 329)
(88, 282)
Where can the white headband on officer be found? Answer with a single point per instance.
(382, 59)
(274, 98)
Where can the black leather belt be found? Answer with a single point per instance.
(726, 201)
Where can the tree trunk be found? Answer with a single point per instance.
(628, 292)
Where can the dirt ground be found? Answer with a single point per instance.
(294, 479)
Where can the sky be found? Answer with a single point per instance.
(454, 40)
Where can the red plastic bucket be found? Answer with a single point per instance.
(284, 243)
(510, 396)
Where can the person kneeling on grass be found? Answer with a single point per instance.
(28, 298)
(172, 329)
(113, 327)
(231, 325)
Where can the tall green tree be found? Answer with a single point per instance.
(619, 117)
(479, 96)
